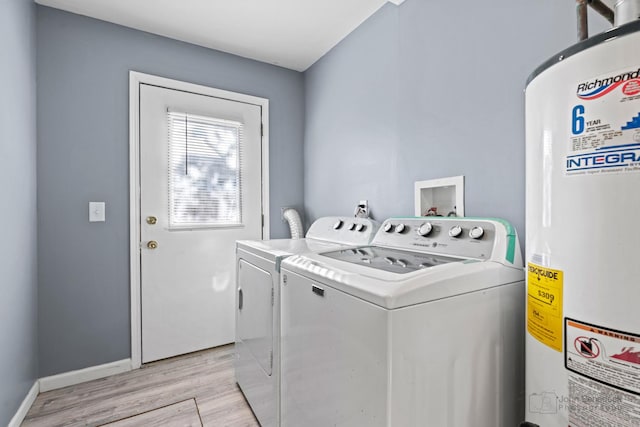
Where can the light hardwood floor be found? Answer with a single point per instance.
(197, 389)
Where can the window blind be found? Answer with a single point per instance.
(205, 171)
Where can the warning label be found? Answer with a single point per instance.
(605, 124)
(593, 404)
(604, 377)
(544, 305)
(602, 354)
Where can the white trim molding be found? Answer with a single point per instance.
(25, 405)
(135, 80)
(396, 2)
(66, 379)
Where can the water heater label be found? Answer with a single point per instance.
(604, 377)
(594, 404)
(606, 355)
(544, 305)
(604, 120)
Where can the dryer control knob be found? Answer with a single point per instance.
(352, 226)
(476, 232)
(360, 227)
(400, 228)
(455, 231)
(390, 260)
(338, 224)
(425, 229)
(388, 227)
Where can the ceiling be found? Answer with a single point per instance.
(290, 33)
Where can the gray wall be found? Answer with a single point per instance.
(83, 122)
(429, 90)
(18, 286)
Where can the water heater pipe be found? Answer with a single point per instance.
(598, 6)
(603, 10)
(583, 23)
(295, 223)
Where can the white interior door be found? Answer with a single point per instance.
(200, 191)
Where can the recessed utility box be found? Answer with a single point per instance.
(441, 197)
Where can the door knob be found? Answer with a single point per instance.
(151, 220)
(152, 244)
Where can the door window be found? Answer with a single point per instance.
(205, 183)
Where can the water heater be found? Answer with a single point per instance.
(583, 243)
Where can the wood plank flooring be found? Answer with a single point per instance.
(179, 414)
(169, 390)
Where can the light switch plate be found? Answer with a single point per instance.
(96, 211)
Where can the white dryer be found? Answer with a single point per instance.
(256, 363)
(424, 327)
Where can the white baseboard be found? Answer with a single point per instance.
(83, 375)
(64, 380)
(26, 405)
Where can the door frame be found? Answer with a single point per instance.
(135, 80)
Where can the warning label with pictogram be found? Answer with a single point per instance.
(604, 377)
(544, 305)
(605, 355)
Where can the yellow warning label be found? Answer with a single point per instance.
(544, 305)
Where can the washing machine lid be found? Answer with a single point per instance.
(393, 290)
(389, 259)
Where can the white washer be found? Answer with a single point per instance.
(258, 308)
(423, 327)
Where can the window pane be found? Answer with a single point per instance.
(204, 171)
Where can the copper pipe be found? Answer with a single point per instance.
(583, 25)
(602, 9)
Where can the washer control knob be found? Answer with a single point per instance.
(425, 229)
(352, 226)
(360, 227)
(400, 228)
(455, 231)
(390, 260)
(402, 263)
(476, 232)
(388, 227)
(338, 224)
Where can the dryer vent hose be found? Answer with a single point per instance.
(295, 223)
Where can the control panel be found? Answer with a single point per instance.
(459, 237)
(347, 230)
